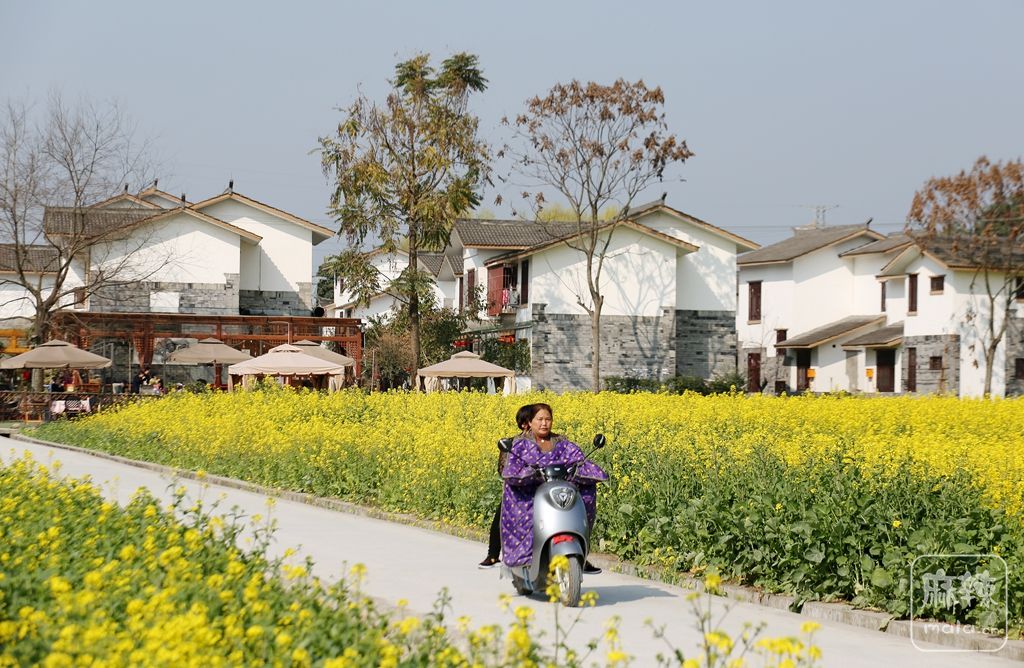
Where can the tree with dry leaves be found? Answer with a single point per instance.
(597, 147)
(56, 161)
(976, 218)
(404, 171)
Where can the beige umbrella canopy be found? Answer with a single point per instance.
(208, 351)
(316, 350)
(56, 355)
(285, 360)
(463, 365)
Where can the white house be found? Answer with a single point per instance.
(229, 254)
(442, 268)
(668, 284)
(846, 308)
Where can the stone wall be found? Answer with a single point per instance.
(1014, 351)
(266, 302)
(929, 381)
(201, 298)
(705, 343)
(630, 346)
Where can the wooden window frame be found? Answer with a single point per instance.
(754, 309)
(883, 296)
(935, 363)
(911, 369)
(941, 282)
(911, 294)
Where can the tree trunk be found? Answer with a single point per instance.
(990, 359)
(595, 333)
(414, 303)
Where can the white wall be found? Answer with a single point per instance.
(706, 279)
(179, 249)
(390, 266)
(284, 257)
(777, 305)
(638, 278)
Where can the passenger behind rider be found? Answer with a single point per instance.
(494, 543)
(539, 446)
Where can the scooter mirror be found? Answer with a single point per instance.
(505, 444)
(600, 441)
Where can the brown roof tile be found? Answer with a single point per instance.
(36, 258)
(802, 242)
(883, 337)
(831, 331)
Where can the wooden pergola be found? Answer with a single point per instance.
(256, 333)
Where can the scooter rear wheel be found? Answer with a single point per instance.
(569, 580)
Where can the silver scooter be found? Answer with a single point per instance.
(559, 528)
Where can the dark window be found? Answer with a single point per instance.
(912, 293)
(1019, 289)
(524, 281)
(462, 294)
(938, 282)
(911, 369)
(935, 363)
(79, 297)
(780, 336)
(754, 298)
(470, 285)
(883, 296)
(780, 387)
(1018, 368)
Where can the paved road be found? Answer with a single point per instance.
(410, 563)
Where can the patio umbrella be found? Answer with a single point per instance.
(464, 364)
(285, 360)
(316, 350)
(56, 355)
(208, 351)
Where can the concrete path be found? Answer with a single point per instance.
(414, 564)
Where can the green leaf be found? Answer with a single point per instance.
(814, 555)
(881, 578)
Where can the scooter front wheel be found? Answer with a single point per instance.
(569, 579)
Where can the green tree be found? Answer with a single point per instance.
(597, 147)
(405, 170)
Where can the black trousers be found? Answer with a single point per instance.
(494, 544)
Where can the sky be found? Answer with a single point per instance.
(787, 106)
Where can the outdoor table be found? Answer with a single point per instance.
(59, 406)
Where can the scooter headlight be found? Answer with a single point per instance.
(563, 497)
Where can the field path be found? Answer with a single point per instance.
(410, 563)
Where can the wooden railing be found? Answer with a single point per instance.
(29, 406)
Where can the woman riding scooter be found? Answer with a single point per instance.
(539, 447)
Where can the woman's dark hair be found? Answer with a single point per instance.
(523, 416)
(537, 408)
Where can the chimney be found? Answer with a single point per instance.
(183, 200)
(155, 181)
(126, 189)
(231, 186)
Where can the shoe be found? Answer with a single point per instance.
(590, 569)
(489, 562)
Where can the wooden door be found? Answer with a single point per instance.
(886, 370)
(754, 372)
(803, 365)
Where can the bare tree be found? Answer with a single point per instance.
(975, 220)
(55, 247)
(597, 147)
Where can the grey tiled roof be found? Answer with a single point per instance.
(36, 258)
(511, 234)
(802, 242)
(432, 261)
(455, 261)
(883, 336)
(1001, 253)
(891, 242)
(833, 330)
(91, 222)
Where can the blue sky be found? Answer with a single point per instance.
(787, 105)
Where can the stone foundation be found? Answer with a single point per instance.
(930, 381)
(266, 302)
(1014, 351)
(641, 347)
(705, 343)
(201, 298)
